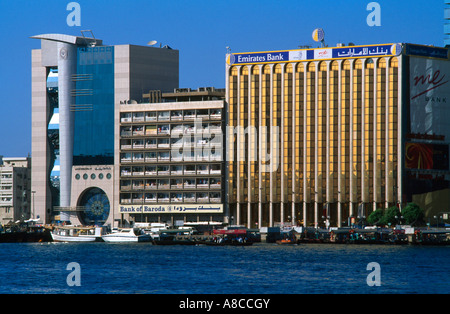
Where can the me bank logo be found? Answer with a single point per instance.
(429, 81)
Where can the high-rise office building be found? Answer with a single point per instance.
(325, 136)
(77, 84)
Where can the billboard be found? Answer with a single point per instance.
(315, 54)
(426, 156)
(429, 83)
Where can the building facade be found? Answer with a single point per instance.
(15, 190)
(171, 158)
(77, 84)
(325, 136)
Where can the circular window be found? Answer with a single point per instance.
(85, 176)
(97, 207)
(77, 176)
(108, 176)
(100, 176)
(93, 176)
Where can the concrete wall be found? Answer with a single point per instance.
(39, 145)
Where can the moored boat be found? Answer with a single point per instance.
(27, 231)
(225, 243)
(287, 241)
(71, 233)
(127, 235)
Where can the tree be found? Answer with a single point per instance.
(413, 214)
(375, 217)
(389, 216)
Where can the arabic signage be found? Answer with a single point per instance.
(172, 209)
(315, 54)
(426, 51)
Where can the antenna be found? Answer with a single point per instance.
(89, 39)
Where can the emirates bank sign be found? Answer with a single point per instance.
(315, 54)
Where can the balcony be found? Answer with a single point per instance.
(138, 119)
(150, 117)
(138, 159)
(125, 120)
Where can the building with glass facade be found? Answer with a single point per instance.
(171, 158)
(326, 136)
(77, 84)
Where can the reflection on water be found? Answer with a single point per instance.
(259, 269)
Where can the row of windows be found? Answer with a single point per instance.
(93, 176)
(171, 129)
(167, 197)
(173, 115)
(168, 184)
(180, 155)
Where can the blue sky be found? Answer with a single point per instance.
(200, 30)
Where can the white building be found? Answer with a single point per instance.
(15, 193)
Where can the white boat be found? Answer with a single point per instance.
(127, 235)
(76, 234)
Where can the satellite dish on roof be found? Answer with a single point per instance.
(152, 42)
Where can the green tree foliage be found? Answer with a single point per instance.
(389, 216)
(375, 217)
(413, 214)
